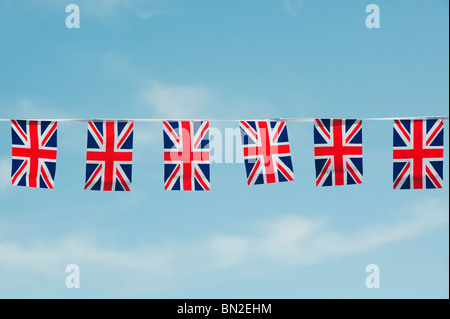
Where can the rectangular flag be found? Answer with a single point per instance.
(338, 152)
(33, 153)
(267, 154)
(418, 154)
(109, 155)
(186, 155)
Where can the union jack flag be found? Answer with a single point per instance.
(109, 156)
(186, 155)
(267, 154)
(338, 152)
(418, 154)
(33, 153)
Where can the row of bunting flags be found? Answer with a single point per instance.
(418, 153)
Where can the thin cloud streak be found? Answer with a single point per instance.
(286, 242)
(177, 101)
(5, 172)
(291, 6)
(103, 10)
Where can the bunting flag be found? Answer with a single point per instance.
(267, 154)
(186, 155)
(338, 152)
(109, 156)
(418, 153)
(33, 153)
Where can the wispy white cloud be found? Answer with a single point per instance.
(48, 259)
(162, 99)
(291, 6)
(105, 9)
(5, 171)
(292, 241)
(28, 108)
(177, 101)
(187, 101)
(288, 241)
(314, 242)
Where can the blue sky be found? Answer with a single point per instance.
(234, 60)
